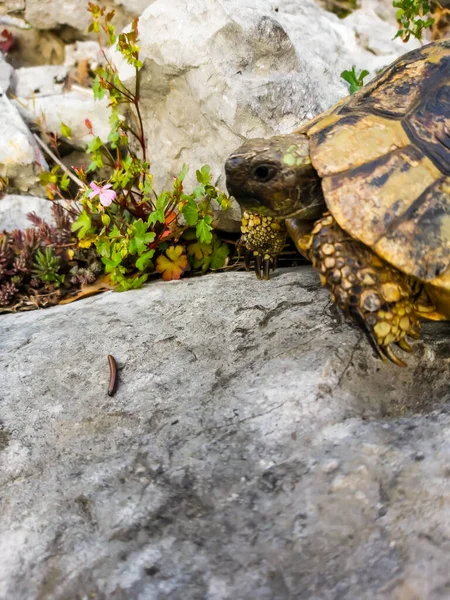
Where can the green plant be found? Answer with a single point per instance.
(120, 227)
(354, 79)
(124, 218)
(411, 18)
(46, 267)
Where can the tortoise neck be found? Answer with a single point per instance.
(312, 200)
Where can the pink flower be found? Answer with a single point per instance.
(104, 193)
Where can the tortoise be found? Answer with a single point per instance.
(364, 191)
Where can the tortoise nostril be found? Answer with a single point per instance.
(233, 162)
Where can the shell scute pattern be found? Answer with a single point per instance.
(384, 158)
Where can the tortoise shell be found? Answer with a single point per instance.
(384, 158)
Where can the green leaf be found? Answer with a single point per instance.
(130, 283)
(115, 233)
(219, 255)
(94, 145)
(82, 224)
(204, 175)
(157, 216)
(203, 230)
(144, 260)
(199, 191)
(103, 247)
(190, 212)
(355, 80)
(410, 17)
(65, 130)
(183, 172)
(141, 238)
(64, 182)
(98, 89)
(111, 264)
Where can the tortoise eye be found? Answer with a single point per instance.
(264, 173)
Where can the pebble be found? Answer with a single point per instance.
(330, 466)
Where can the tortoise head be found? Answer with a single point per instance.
(275, 177)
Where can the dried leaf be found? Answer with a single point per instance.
(102, 284)
(172, 264)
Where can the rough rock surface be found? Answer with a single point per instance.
(71, 108)
(14, 210)
(20, 157)
(43, 97)
(33, 82)
(6, 72)
(217, 71)
(255, 450)
(69, 14)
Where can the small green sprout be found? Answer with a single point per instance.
(354, 79)
(46, 267)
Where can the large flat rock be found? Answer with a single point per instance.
(255, 449)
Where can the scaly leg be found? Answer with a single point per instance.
(381, 300)
(263, 239)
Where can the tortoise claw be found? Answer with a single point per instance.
(390, 354)
(248, 259)
(274, 263)
(383, 351)
(403, 344)
(263, 238)
(262, 266)
(258, 266)
(266, 268)
(414, 331)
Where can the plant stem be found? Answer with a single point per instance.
(46, 149)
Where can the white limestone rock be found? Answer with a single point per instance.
(35, 82)
(14, 209)
(71, 108)
(6, 73)
(88, 50)
(11, 6)
(20, 158)
(42, 97)
(377, 36)
(53, 14)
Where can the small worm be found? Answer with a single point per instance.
(112, 375)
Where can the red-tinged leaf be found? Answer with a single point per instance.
(172, 264)
(7, 41)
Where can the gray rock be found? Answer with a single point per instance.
(52, 14)
(71, 108)
(34, 82)
(203, 476)
(12, 6)
(6, 72)
(42, 98)
(20, 158)
(87, 50)
(14, 210)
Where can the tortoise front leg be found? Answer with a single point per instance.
(381, 300)
(263, 239)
